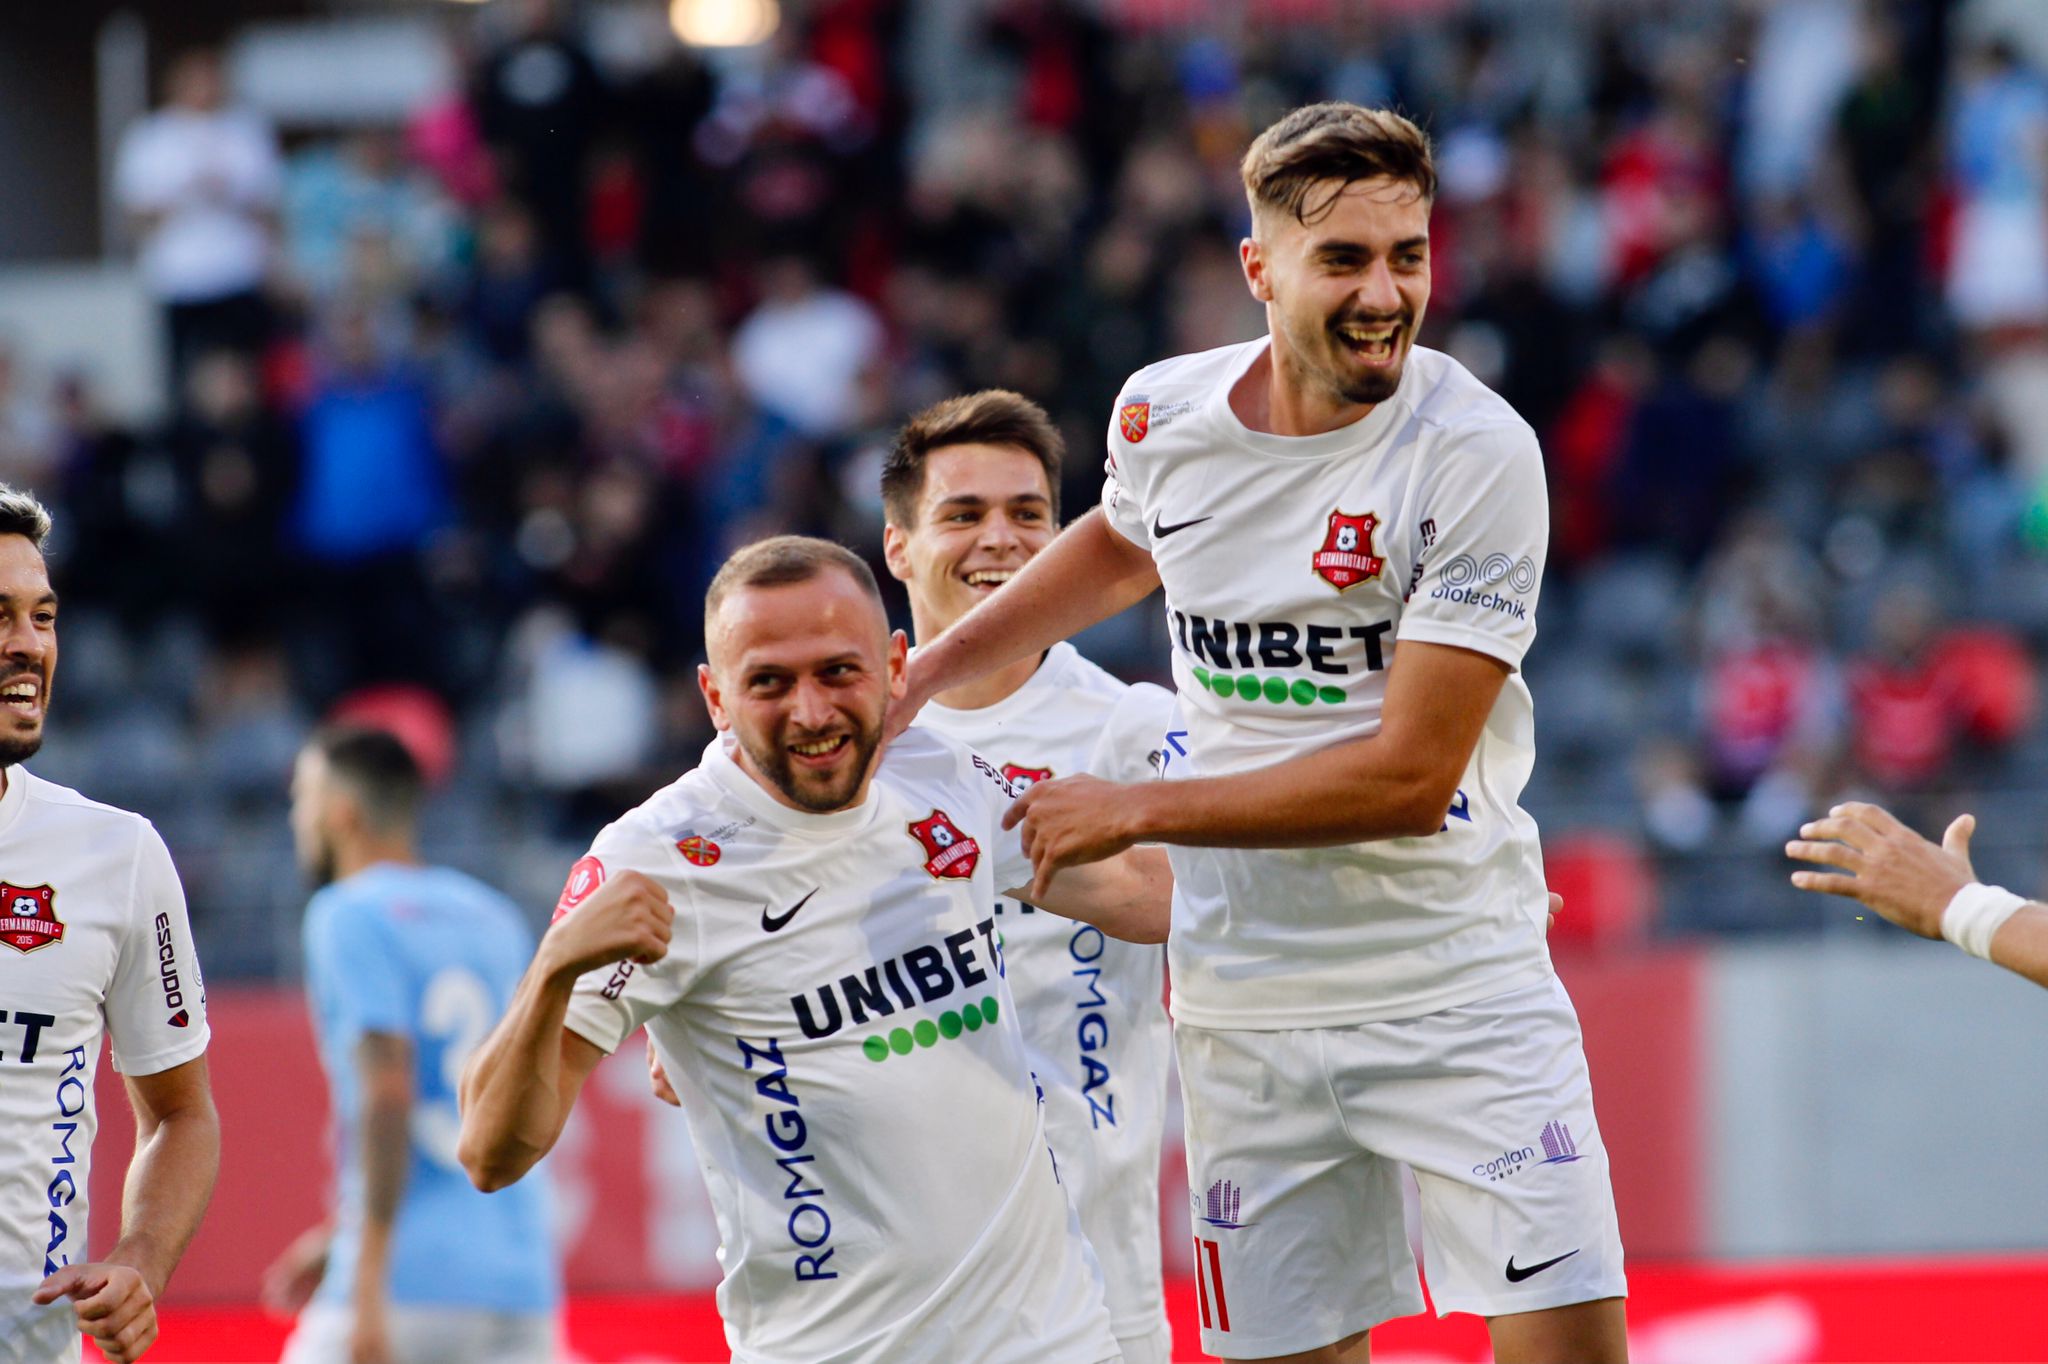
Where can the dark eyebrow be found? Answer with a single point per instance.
(47, 599)
(1336, 247)
(961, 500)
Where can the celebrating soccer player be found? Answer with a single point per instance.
(407, 967)
(93, 939)
(808, 933)
(971, 492)
(1350, 530)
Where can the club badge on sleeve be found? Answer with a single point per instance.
(1134, 419)
(1024, 778)
(584, 879)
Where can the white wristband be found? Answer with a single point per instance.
(1973, 917)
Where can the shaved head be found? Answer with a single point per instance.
(801, 668)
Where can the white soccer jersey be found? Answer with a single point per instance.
(1091, 1005)
(832, 1012)
(1294, 568)
(93, 938)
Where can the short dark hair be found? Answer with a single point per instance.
(378, 768)
(1334, 140)
(22, 514)
(780, 561)
(994, 416)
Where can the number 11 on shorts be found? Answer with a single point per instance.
(1209, 1284)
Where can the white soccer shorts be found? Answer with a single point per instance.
(428, 1335)
(1296, 1140)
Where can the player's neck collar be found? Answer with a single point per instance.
(736, 782)
(14, 797)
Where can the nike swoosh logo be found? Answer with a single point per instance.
(772, 923)
(1517, 1275)
(1160, 530)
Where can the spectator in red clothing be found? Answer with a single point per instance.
(1586, 447)
(1902, 704)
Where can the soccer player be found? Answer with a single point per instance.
(971, 492)
(809, 935)
(93, 939)
(1350, 530)
(407, 967)
(1926, 889)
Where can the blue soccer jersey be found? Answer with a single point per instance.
(430, 955)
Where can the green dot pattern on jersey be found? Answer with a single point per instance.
(927, 1033)
(1276, 691)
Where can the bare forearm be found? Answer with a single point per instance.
(1348, 794)
(1086, 575)
(1129, 896)
(512, 1108)
(386, 1154)
(169, 1184)
(2021, 944)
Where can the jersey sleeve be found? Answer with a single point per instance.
(1486, 527)
(1121, 499)
(156, 1006)
(354, 970)
(1133, 739)
(608, 1004)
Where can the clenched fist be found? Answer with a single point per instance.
(628, 918)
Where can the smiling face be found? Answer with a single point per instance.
(28, 647)
(802, 675)
(1346, 292)
(983, 512)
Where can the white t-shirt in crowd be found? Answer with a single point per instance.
(93, 939)
(833, 1014)
(1294, 569)
(803, 359)
(1092, 1006)
(213, 177)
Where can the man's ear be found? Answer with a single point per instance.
(899, 664)
(1252, 258)
(896, 551)
(707, 683)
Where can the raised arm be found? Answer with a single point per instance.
(1087, 574)
(519, 1087)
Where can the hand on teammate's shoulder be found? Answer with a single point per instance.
(628, 918)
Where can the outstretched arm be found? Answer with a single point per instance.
(1929, 890)
(1397, 783)
(177, 1156)
(524, 1079)
(1129, 896)
(1087, 574)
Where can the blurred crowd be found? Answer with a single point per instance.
(465, 411)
